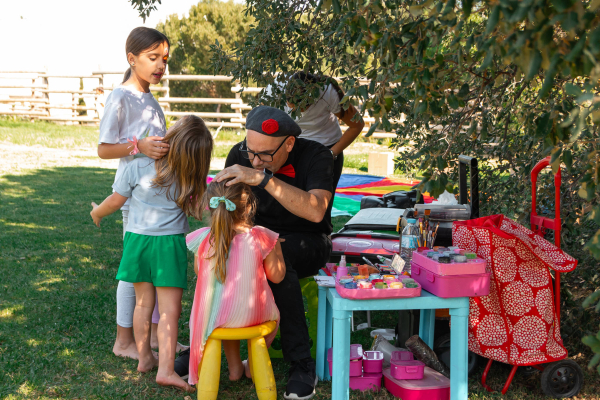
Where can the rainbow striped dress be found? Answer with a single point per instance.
(244, 299)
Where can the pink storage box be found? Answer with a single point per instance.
(366, 294)
(372, 362)
(364, 244)
(476, 266)
(366, 382)
(402, 355)
(356, 360)
(412, 369)
(471, 285)
(433, 386)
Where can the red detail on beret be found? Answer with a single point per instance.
(270, 126)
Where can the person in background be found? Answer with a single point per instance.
(319, 121)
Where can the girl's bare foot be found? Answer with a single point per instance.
(236, 371)
(247, 369)
(129, 351)
(173, 380)
(146, 364)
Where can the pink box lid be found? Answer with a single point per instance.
(402, 355)
(431, 380)
(409, 363)
(373, 355)
(356, 352)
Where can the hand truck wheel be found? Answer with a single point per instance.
(562, 379)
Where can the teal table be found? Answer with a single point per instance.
(334, 327)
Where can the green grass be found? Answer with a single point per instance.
(57, 292)
(47, 134)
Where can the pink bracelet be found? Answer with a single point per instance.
(135, 148)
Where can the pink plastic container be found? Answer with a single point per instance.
(366, 294)
(412, 369)
(356, 360)
(476, 266)
(471, 285)
(366, 382)
(433, 386)
(402, 355)
(372, 362)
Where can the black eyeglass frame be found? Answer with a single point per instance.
(246, 153)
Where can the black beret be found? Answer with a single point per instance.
(272, 122)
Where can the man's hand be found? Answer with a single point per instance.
(246, 175)
(153, 147)
(94, 216)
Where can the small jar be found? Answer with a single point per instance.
(351, 285)
(396, 285)
(365, 285)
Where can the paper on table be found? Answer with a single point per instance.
(327, 281)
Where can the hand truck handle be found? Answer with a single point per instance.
(539, 223)
(462, 183)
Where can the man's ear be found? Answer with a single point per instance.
(290, 143)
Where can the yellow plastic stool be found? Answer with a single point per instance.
(258, 357)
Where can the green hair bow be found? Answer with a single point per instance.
(214, 203)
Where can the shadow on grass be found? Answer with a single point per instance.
(57, 299)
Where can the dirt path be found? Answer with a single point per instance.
(16, 158)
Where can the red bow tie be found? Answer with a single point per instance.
(288, 170)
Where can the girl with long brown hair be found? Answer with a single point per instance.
(154, 258)
(133, 125)
(234, 260)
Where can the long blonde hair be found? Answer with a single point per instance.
(186, 165)
(223, 221)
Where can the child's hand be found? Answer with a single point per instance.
(153, 147)
(93, 214)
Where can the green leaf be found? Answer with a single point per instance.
(493, 20)
(467, 7)
(577, 49)
(452, 101)
(464, 91)
(561, 5)
(573, 90)
(534, 65)
(337, 9)
(595, 360)
(372, 129)
(568, 159)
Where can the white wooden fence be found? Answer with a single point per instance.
(36, 104)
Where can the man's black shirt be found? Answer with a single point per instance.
(313, 165)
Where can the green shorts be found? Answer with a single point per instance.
(160, 260)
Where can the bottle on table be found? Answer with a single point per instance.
(409, 243)
(342, 269)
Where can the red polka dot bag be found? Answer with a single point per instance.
(516, 323)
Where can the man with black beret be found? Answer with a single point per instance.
(292, 179)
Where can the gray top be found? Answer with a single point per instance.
(150, 212)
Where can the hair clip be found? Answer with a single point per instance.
(214, 203)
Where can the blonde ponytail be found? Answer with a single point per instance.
(223, 221)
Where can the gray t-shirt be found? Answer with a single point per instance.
(130, 113)
(150, 212)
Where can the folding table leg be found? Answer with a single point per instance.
(341, 355)
(459, 340)
(328, 336)
(427, 326)
(321, 338)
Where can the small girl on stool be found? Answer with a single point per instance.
(233, 262)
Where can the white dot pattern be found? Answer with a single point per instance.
(517, 298)
(530, 332)
(516, 322)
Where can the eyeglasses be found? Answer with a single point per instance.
(264, 157)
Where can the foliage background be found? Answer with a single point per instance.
(509, 82)
(191, 36)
